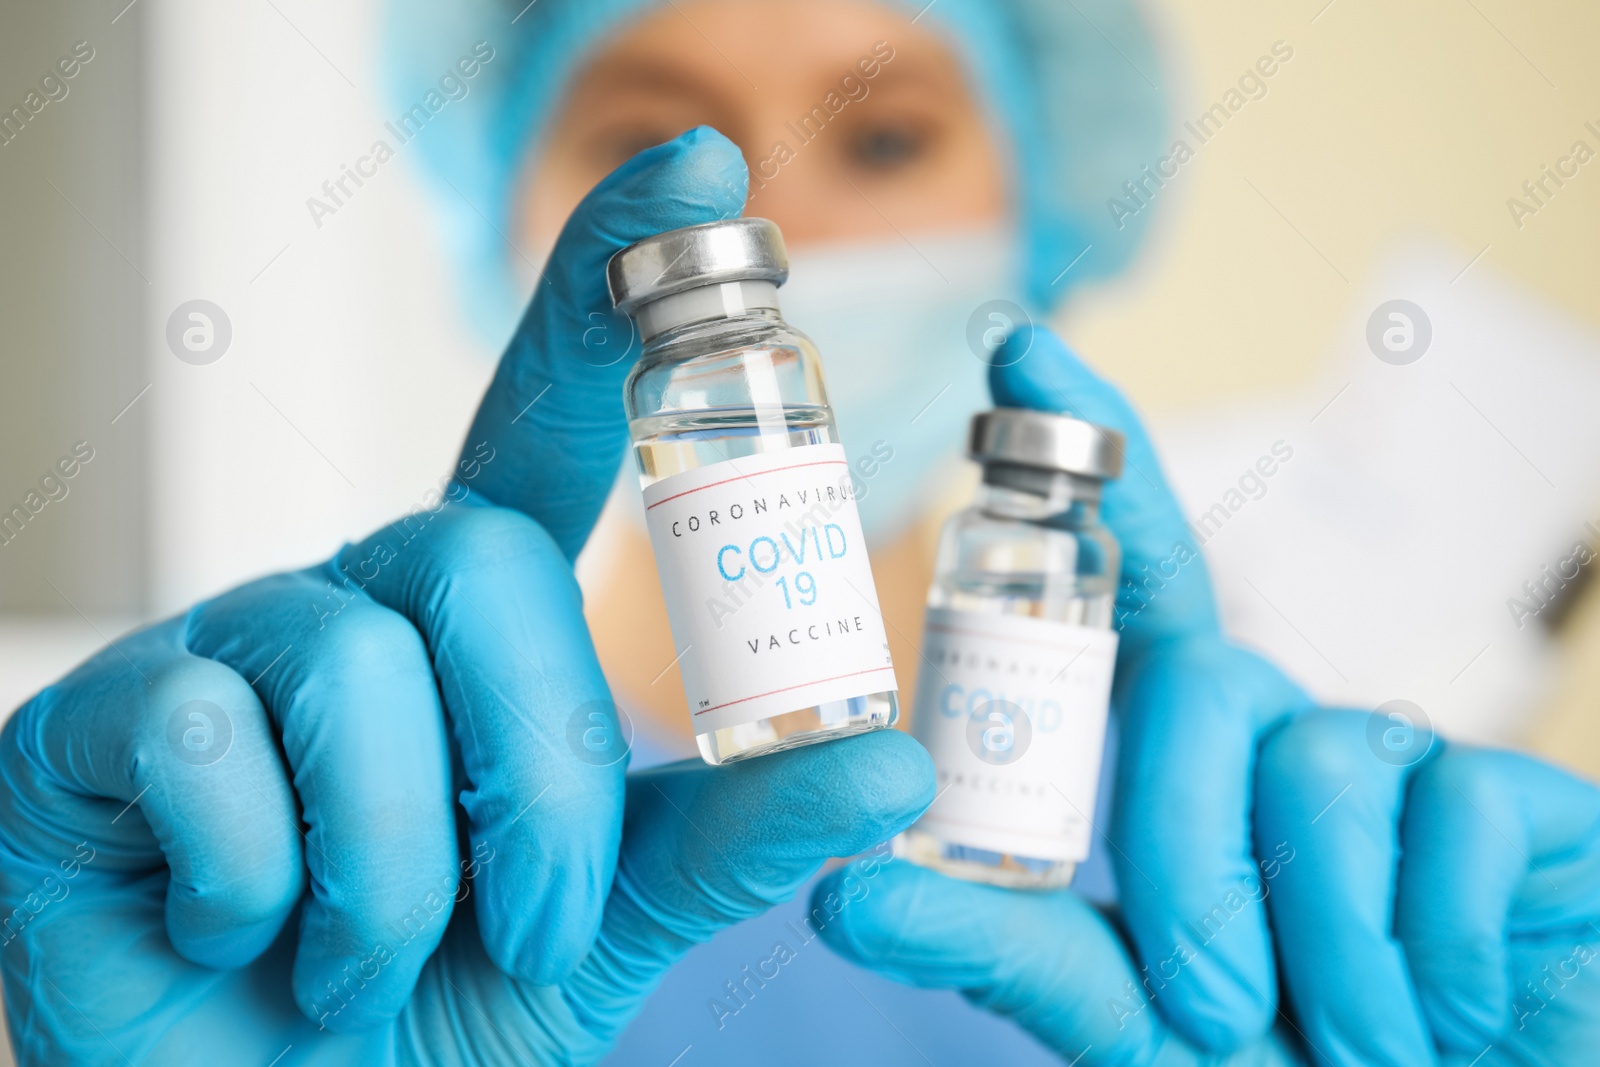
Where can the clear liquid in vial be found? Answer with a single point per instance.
(665, 445)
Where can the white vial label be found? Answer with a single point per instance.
(1013, 710)
(767, 584)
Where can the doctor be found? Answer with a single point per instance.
(383, 848)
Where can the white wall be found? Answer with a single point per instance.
(349, 381)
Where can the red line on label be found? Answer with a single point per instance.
(797, 685)
(747, 477)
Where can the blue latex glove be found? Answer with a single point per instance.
(1443, 904)
(1191, 710)
(374, 812)
(1445, 915)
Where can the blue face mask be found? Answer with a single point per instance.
(904, 328)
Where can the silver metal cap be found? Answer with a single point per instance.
(1045, 441)
(733, 250)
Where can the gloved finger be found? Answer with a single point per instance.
(552, 419)
(1048, 961)
(357, 709)
(1165, 590)
(500, 611)
(147, 753)
(707, 847)
(1494, 845)
(1190, 708)
(1335, 803)
(1192, 888)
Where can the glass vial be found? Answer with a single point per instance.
(749, 500)
(1017, 656)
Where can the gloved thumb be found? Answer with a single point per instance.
(706, 847)
(550, 431)
(1048, 961)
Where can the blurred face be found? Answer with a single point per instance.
(856, 123)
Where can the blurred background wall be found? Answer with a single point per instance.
(1394, 124)
(178, 167)
(74, 292)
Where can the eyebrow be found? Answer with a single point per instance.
(622, 73)
(915, 75)
(626, 73)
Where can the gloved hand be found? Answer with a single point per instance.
(374, 812)
(1190, 708)
(1443, 901)
(1192, 712)
(1443, 913)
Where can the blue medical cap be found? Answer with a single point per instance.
(1072, 83)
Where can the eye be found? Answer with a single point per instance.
(615, 146)
(887, 147)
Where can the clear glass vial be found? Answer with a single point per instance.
(749, 498)
(1018, 650)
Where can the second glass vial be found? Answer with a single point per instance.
(1017, 656)
(749, 499)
